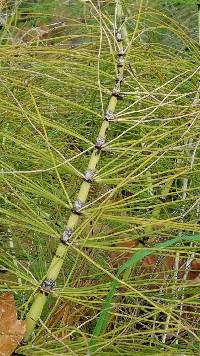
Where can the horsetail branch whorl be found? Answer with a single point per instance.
(109, 115)
(118, 36)
(121, 61)
(100, 142)
(89, 175)
(116, 91)
(47, 286)
(78, 206)
(67, 234)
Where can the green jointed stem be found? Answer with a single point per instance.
(41, 297)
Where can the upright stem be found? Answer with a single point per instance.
(48, 283)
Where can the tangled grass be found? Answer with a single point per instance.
(130, 278)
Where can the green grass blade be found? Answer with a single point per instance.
(104, 315)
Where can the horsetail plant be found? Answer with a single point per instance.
(126, 268)
(48, 284)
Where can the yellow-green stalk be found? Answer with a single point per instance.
(41, 297)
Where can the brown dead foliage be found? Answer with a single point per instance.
(11, 329)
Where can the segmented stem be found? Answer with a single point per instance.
(48, 284)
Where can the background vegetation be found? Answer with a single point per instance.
(130, 279)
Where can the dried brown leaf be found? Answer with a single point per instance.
(11, 329)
